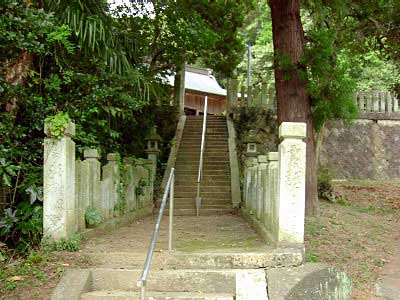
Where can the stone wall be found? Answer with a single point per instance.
(365, 149)
(73, 188)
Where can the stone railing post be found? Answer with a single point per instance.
(271, 205)
(92, 160)
(291, 182)
(110, 185)
(151, 168)
(129, 184)
(261, 185)
(59, 206)
(253, 186)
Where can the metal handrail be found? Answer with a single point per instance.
(200, 173)
(169, 188)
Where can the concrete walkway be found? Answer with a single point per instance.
(388, 287)
(190, 234)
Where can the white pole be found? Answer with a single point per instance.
(171, 209)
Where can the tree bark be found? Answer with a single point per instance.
(294, 104)
(16, 74)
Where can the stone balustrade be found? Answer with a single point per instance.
(377, 102)
(274, 187)
(72, 187)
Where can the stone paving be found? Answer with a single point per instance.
(224, 232)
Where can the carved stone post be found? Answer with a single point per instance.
(291, 182)
(59, 205)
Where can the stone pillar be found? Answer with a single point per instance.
(92, 160)
(150, 167)
(253, 185)
(111, 180)
(271, 205)
(129, 184)
(291, 182)
(247, 178)
(395, 103)
(59, 205)
(261, 185)
(232, 94)
(179, 89)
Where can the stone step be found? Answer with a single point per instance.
(211, 201)
(203, 211)
(211, 281)
(208, 147)
(211, 157)
(123, 295)
(206, 173)
(214, 163)
(180, 188)
(179, 206)
(191, 167)
(213, 195)
(206, 178)
(270, 257)
(207, 151)
(205, 182)
(217, 143)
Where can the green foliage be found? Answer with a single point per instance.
(325, 188)
(57, 124)
(72, 244)
(113, 111)
(141, 187)
(330, 84)
(22, 227)
(92, 217)
(343, 202)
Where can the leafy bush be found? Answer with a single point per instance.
(92, 217)
(72, 244)
(325, 188)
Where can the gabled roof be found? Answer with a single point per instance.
(200, 79)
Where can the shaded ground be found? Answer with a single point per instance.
(190, 234)
(34, 278)
(357, 234)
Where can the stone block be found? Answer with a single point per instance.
(127, 160)
(91, 153)
(111, 157)
(293, 130)
(68, 131)
(310, 281)
(273, 156)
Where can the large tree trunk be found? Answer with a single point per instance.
(294, 105)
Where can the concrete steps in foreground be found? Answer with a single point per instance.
(122, 295)
(121, 284)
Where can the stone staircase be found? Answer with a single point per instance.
(215, 188)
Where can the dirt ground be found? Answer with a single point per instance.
(358, 233)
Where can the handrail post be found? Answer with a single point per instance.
(171, 211)
(169, 188)
(200, 173)
(143, 291)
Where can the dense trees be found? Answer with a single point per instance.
(102, 71)
(318, 70)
